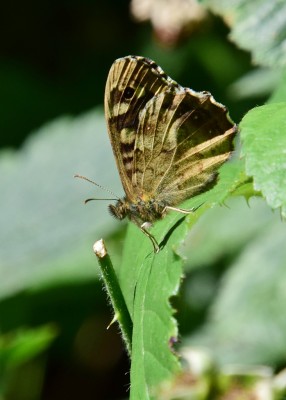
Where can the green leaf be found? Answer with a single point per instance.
(222, 232)
(153, 325)
(20, 346)
(259, 82)
(247, 321)
(47, 232)
(264, 142)
(258, 26)
(279, 94)
(148, 281)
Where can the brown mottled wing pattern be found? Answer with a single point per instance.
(168, 140)
(132, 82)
(178, 154)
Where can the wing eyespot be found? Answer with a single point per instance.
(128, 93)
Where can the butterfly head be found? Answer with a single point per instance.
(119, 210)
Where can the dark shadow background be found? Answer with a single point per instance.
(55, 56)
(54, 59)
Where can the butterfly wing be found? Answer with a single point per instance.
(168, 141)
(132, 82)
(182, 139)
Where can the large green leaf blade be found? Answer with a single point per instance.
(46, 231)
(263, 133)
(246, 323)
(153, 325)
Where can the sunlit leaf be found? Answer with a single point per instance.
(264, 143)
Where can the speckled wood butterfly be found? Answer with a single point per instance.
(168, 141)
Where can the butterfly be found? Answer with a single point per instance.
(168, 140)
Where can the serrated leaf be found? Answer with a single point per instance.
(258, 26)
(148, 281)
(264, 143)
(153, 325)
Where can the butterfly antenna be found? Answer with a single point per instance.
(96, 184)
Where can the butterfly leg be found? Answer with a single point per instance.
(144, 228)
(181, 210)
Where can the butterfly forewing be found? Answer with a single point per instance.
(132, 82)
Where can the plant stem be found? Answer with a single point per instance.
(115, 294)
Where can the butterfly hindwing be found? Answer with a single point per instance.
(177, 155)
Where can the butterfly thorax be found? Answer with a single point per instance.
(139, 211)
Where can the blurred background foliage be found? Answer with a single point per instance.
(54, 59)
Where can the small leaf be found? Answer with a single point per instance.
(264, 143)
